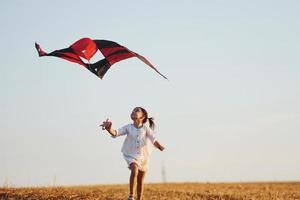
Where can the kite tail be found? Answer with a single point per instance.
(99, 68)
(147, 62)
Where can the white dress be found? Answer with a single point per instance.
(137, 146)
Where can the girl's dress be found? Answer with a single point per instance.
(137, 146)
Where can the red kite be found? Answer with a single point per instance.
(86, 48)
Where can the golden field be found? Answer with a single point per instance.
(172, 191)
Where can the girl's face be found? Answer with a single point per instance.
(137, 114)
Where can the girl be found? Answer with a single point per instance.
(136, 148)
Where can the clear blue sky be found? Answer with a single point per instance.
(230, 112)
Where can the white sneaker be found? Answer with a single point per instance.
(130, 198)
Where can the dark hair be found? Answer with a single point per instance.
(150, 119)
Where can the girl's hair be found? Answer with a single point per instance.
(150, 119)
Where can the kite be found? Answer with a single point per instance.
(86, 48)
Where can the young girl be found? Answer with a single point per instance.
(136, 148)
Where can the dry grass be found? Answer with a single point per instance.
(174, 191)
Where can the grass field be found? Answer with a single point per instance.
(172, 191)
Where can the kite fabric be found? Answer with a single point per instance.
(86, 48)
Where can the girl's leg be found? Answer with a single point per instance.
(140, 184)
(133, 177)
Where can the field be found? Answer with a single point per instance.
(172, 191)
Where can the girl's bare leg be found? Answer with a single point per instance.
(140, 184)
(133, 178)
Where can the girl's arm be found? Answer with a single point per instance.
(111, 131)
(155, 142)
(158, 145)
(107, 125)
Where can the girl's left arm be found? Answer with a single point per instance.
(158, 145)
(154, 141)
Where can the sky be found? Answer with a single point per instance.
(229, 112)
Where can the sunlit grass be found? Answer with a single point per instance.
(172, 191)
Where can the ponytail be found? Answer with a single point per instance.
(150, 119)
(151, 123)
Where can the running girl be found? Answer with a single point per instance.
(136, 148)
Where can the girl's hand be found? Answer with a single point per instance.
(158, 145)
(161, 148)
(106, 125)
